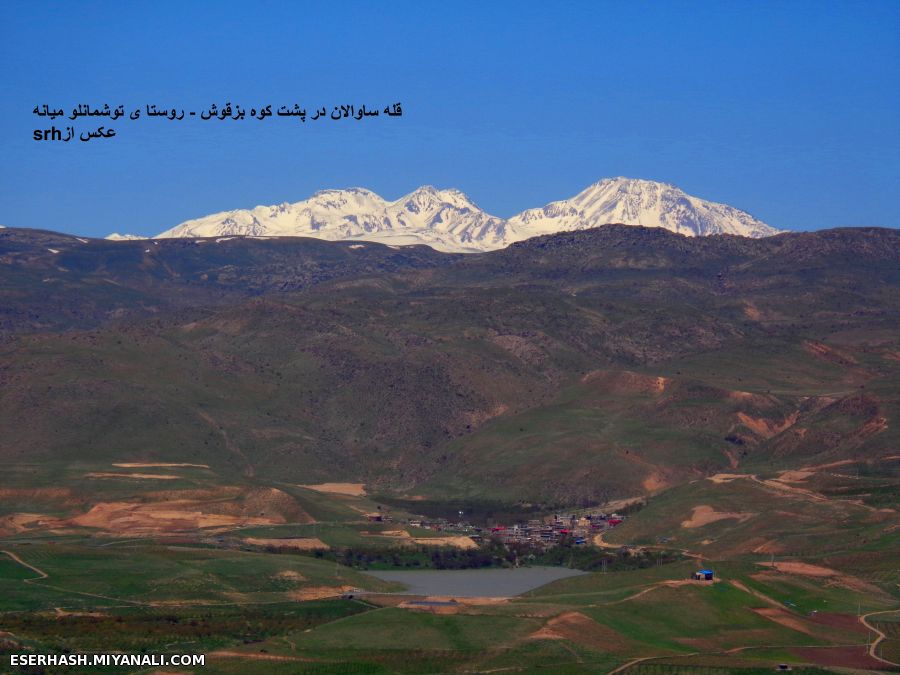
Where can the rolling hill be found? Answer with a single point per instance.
(581, 366)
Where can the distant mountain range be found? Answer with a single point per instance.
(448, 220)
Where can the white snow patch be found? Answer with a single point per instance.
(448, 220)
(115, 236)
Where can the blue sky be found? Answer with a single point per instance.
(789, 110)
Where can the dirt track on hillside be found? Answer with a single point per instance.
(582, 630)
(140, 476)
(873, 648)
(161, 465)
(704, 515)
(807, 570)
(41, 573)
(298, 543)
(350, 489)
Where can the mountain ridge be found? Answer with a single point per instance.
(448, 220)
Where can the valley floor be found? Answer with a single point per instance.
(220, 587)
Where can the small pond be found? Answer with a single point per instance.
(491, 582)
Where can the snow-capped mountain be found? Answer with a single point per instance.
(632, 201)
(444, 219)
(449, 221)
(115, 236)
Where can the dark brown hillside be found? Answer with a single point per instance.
(450, 375)
(50, 281)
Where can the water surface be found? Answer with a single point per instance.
(491, 582)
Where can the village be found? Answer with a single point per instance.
(578, 529)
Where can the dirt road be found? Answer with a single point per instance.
(881, 636)
(41, 573)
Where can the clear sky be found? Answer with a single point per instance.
(789, 110)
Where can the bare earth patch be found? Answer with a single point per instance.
(291, 575)
(154, 518)
(477, 602)
(619, 504)
(654, 482)
(766, 427)
(752, 312)
(479, 417)
(807, 570)
(149, 465)
(829, 354)
(395, 534)
(254, 656)
(581, 629)
(319, 592)
(726, 477)
(140, 476)
(15, 523)
(627, 382)
(854, 657)
(298, 543)
(796, 476)
(388, 599)
(844, 622)
(802, 568)
(352, 489)
(417, 605)
(599, 543)
(452, 605)
(704, 515)
(768, 546)
(784, 618)
(734, 460)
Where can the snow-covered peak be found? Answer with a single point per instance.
(444, 219)
(115, 236)
(633, 201)
(352, 198)
(426, 198)
(448, 220)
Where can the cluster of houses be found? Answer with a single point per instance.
(579, 528)
(542, 532)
